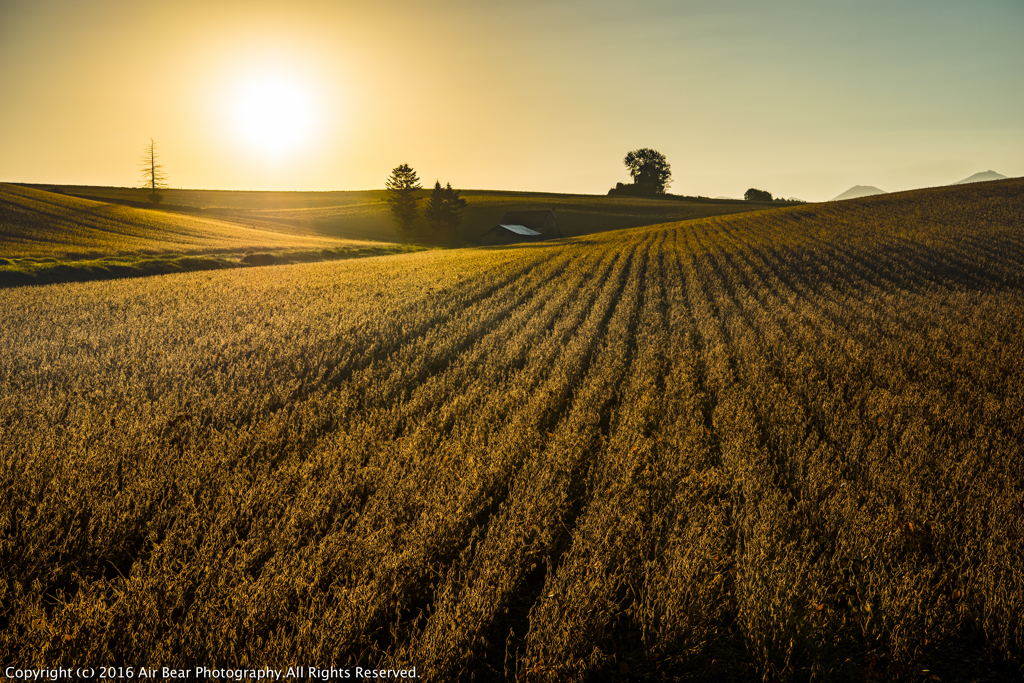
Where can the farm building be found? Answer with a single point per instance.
(523, 226)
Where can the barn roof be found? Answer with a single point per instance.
(519, 229)
(533, 220)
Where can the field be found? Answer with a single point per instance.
(39, 223)
(779, 445)
(49, 237)
(365, 216)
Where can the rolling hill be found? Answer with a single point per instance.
(48, 237)
(363, 215)
(777, 445)
(36, 223)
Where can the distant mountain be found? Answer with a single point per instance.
(733, 198)
(859, 191)
(981, 177)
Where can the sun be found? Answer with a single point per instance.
(273, 114)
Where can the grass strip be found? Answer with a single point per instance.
(20, 272)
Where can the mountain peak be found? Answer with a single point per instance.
(858, 191)
(981, 177)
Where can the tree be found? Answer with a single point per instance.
(435, 211)
(401, 197)
(650, 170)
(444, 210)
(153, 176)
(754, 195)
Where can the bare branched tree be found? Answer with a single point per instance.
(153, 176)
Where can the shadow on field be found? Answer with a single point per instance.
(546, 244)
(45, 271)
(915, 268)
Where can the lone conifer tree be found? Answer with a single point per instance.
(402, 199)
(153, 176)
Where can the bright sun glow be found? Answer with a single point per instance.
(273, 114)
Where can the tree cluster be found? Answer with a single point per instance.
(443, 211)
(651, 174)
(755, 195)
(650, 170)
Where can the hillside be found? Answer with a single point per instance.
(781, 445)
(47, 237)
(858, 191)
(363, 215)
(36, 223)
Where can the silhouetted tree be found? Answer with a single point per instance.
(153, 176)
(753, 195)
(650, 170)
(401, 197)
(444, 210)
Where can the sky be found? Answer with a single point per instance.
(802, 98)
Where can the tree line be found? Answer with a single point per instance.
(652, 175)
(443, 210)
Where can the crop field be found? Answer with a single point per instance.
(365, 216)
(780, 445)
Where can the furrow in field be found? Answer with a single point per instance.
(141, 445)
(756, 509)
(822, 305)
(852, 328)
(812, 467)
(395, 580)
(913, 379)
(437, 406)
(529, 526)
(683, 600)
(782, 371)
(429, 356)
(596, 582)
(933, 263)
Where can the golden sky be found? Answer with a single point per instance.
(800, 98)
